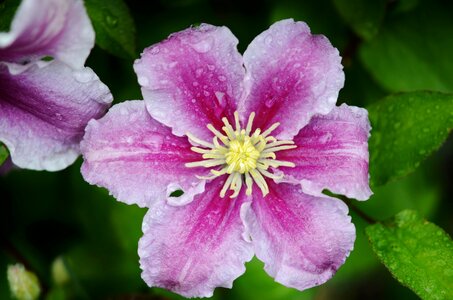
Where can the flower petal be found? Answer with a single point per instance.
(332, 153)
(138, 159)
(291, 76)
(192, 79)
(56, 28)
(195, 248)
(44, 108)
(302, 239)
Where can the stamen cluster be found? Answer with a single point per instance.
(243, 155)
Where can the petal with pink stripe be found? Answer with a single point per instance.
(291, 76)
(191, 79)
(332, 153)
(193, 249)
(302, 239)
(138, 159)
(44, 108)
(57, 28)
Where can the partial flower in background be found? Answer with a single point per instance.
(252, 141)
(47, 96)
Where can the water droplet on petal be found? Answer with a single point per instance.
(143, 81)
(198, 72)
(83, 76)
(269, 102)
(268, 40)
(155, 50)
(203, 46)
(222, 78)
(325, 138)
(219, 96)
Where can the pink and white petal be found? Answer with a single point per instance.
(138, 159)
(302, 239)
(44, 108)
(193, 249)
(56, 28)
(291, 76)
(332, 153)
(191, 79)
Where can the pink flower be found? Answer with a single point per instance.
(46, 105)
(209, 126)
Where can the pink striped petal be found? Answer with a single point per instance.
(192, 79)
(193, 249)
(291, 76)
(302, 239)
(57, 28)
(332, 153)
(44, 108)
(138, 159)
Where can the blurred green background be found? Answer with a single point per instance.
(387, 46)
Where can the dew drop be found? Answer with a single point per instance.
(143, 81)
(206, 93)
(269, 102)
(83, 76)
(173, 64)
(195, 83)
(110, 19)
(219, 96)
(203, 46)
(268, 40)
(198, 72)
(155, 50)
(325, 138)
(194, 100)
(222, 78)
(211, 67)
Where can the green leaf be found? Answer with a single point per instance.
(407, 127)
(3, 154)
(114, 26)
(417, 253)
(7, 10)
(412, 51)
(418, 191)
(363, 16)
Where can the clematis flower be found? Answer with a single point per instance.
(252, 141)
(45, 104)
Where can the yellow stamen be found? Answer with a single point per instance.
(243, 156)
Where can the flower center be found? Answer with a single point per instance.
(241, 156)
(244, 155)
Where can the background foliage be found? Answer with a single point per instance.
(82, 244)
